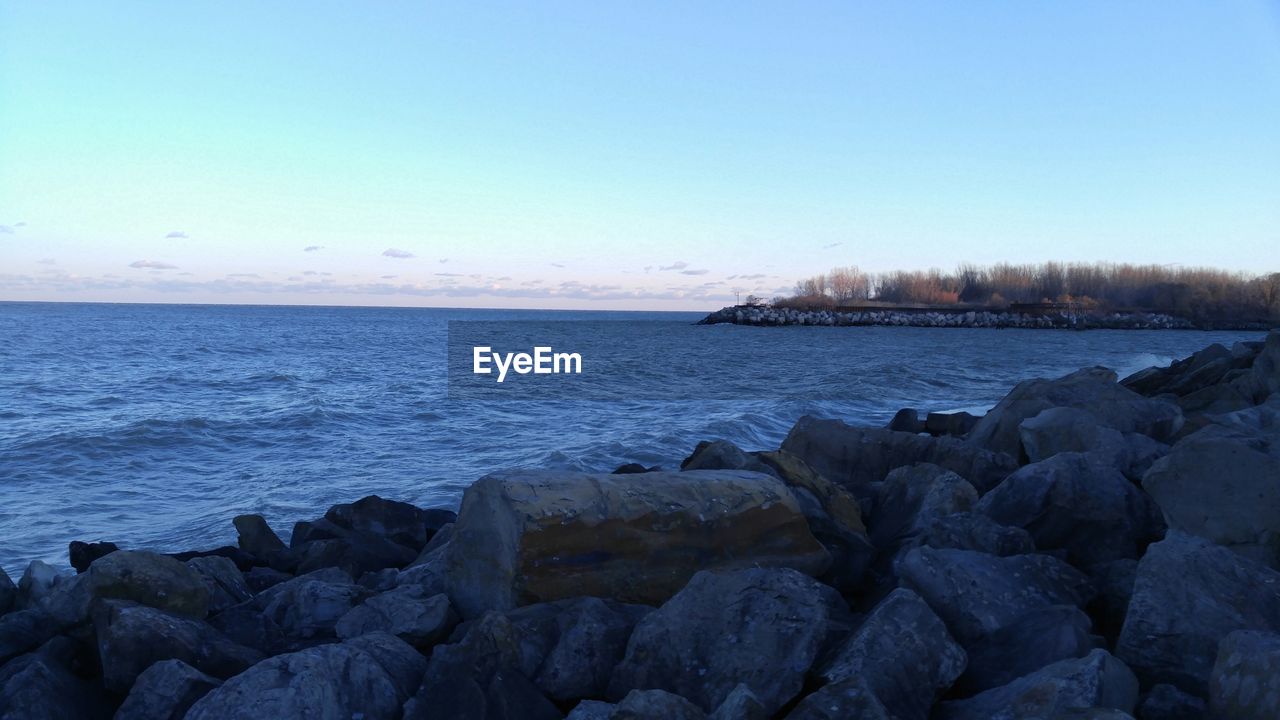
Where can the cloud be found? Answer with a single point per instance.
(559, 265)
(444, 260)
(694, 272)
(828, 246)
(152, 265)
(177, 235)
(7, 229)
(244, 275)
(678, 265)
(398, 254)
(388, 277)
(47, 261)
(313, 248)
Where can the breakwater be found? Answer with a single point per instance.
(961, 318)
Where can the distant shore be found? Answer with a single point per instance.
(1037, 316)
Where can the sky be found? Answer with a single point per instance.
(620, 155)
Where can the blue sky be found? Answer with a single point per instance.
(620, 155)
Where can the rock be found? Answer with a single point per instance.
(40, 686)
(245, 624)
(260, 578)
(82, 554)
(149, 579)
(8, 593)
(484, 676)
(1223, 483)
(165, 691)
(976, 594)
(132, 637)
(957, 424)
(1093, 390)
(720, 455)
(398, 522)
(1071, 503)
(592, 709)
(1166, 702)
(242, 560)
(845, 700)
(258, 539)
(22, 631)
(971, 531)
(838, 503)
(1041, 637)
(906, 420)
(369, 677)
(223, 580)
(1188, 595)
(655, 705)
(356, 553)
(525, 537)
(912, 497)
(903, 654)
(761, 627)
(1097, 680)
(591, 640)
(629, 469)
(1245, 684)
(36, 582)
(1114, 583)
(857, 457)
(742, 704)
(1072, 430)
(309, 606)
(408, 612)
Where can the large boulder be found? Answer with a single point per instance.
(42, 686)
(150, 579)
(578, 643)
(1041, 637)
(761, 627)
(308, 607)
(1093, 390)
(844, 700)
(912, 497)
(1097, 680)
(8, 592)
(23, 631)
(368, 677)
(223, 580)
(655, 705)
(396, 521)
(1189, 594)
(1223, 482)
(526, 537)
(903, 654)
(1070, 502)
(973, 531)
(132, 637)
(1245, 684)
(1072, 430)
(165, 691)
(1166, 702)
(408, 612)
(256, 537)
(977, 594)
(857, 457)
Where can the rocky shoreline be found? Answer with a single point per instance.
(1047, 320)
(1090, 548)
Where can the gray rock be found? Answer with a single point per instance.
(1189, 594)
(369, 677)
(912, 497)
(591, 710)
(1114, 583)
(742, 704)
(408, 612)
(655, 705)
(976, 594)
(8, 593)
(759, 627)
(906, 420)
(1071, 503)
(132, 637)
(309, 606)
(971, 531)
(165, 691)
(526, 537)
(82, 554)
(845, 700)
(150, 579)
(1093, 390)
(591, 640)
(223, 580)
(903, 654)
(1039, 638)
(957, 424)
(1097, 680)
(1072, 430)
(857, 457)
(1166, 702)
(1223, 483)
(22, 631)
(396, 521)
(260, 578)
(36, 582)
(1245, 684)
(720, 455)
(258, 539)
(485, 676)
(41, 686)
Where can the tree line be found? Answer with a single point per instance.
(1193, 292)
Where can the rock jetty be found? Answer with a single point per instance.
(1090, 548)
(1065, 319)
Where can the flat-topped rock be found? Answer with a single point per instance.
(525, 537)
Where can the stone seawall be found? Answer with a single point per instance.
(1054, 319)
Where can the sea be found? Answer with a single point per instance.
(152, 426)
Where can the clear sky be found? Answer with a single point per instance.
(620, 154)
